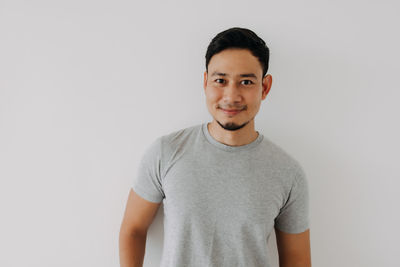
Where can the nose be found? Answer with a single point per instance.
(232, 94)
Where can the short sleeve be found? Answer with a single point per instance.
(147, 183)
(294, 215)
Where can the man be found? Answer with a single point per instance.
(224, 185)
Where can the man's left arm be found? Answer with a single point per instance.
(294, 249)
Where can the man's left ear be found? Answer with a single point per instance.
(266, 85)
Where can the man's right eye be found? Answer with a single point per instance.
(219, 80)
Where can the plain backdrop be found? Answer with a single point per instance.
(86, 86)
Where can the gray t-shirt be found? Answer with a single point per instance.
(221, 202)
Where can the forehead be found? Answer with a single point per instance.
(233, 62)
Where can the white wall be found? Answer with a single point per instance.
(85, 86)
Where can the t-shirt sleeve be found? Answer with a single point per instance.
(294, 215)
(148, 182)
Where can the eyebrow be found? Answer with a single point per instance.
(241, 75)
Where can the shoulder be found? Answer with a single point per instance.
(173, 138)
(284, 162)
(171, 146)
(177, 136)
(179, 139)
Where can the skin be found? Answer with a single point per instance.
(229, 91)
(226, 89)
(138, 216)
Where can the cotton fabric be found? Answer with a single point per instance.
(221, 202)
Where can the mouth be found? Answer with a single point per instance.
(231, 111)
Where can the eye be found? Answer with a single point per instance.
(248, 81)
(218, 80)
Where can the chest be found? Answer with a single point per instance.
(222, 189)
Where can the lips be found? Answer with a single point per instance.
(231, 111)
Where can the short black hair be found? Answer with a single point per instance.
(239, 38)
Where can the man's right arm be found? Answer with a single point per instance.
(139, 214)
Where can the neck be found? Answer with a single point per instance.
(240, 137)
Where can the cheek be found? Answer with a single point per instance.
(253, 101)
(255, 106)
(212, 94)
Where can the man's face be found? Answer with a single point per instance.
(234, 82)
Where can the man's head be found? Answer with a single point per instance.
(235, 77)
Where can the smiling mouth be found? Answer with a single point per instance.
(231, 111)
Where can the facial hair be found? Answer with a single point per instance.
(231, 126)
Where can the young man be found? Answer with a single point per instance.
(224, 185)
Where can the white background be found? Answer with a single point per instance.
(86, 86)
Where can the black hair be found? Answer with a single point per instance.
(239, 38)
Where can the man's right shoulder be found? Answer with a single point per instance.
(177, 137)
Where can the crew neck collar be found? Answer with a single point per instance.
(225, 147)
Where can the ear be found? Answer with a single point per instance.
(205, 80)
(266, 86)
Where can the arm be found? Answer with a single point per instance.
(139, 214)
(294, 249)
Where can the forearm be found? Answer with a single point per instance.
(295, 265)
(293, 260)
(292, 263)
(131, 249)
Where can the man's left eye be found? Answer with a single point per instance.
(250, 82)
